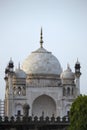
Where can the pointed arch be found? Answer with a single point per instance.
(68, 91)
(18, 109)
(44, 104)
(64, 92)
(67, 108)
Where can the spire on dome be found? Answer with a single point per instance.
(19, 66)
(68, 66)
(41, 39)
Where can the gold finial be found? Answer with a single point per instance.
(41, 39)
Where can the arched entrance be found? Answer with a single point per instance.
(44, 105)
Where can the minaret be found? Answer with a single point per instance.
(10, 74)
(9, 88)
(77, 77)
(6, 90)
(11, 65)
(41, 39)
(6, 73)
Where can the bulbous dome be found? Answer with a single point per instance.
(68, 74)
(19, 73)
(41, 62)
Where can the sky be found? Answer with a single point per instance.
(64, 24)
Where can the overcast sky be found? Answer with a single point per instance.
(64, 24)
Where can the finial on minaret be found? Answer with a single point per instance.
(77, 62)
(11, 64)
(41, 39)
(10, 58)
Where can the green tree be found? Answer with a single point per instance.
(78, 114)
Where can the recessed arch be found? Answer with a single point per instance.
(67, 108)
(68, 91)
(44, 105)
(18, 109)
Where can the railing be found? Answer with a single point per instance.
(2, 108)
(34, 119)
(33, 123)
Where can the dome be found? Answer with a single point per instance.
(19, 73)
(41, 62)
(68, 74)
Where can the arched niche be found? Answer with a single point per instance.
(44, 105)
(19, 109)
(68, 106)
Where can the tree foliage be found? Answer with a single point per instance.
(78, 114)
